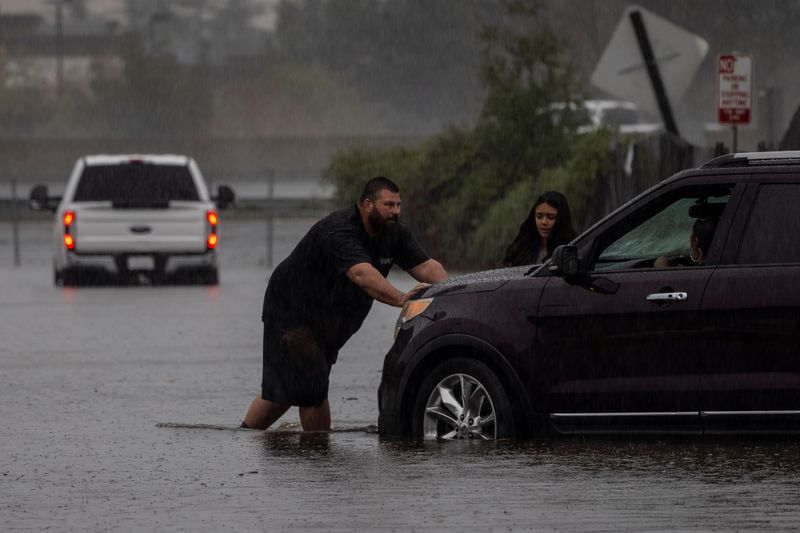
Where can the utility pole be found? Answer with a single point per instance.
(59, 6)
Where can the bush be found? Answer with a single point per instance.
(454, 201)
(437, 205)
(578, 179)
(350, 169)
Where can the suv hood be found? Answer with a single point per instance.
(483, 281)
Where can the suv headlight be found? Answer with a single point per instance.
(411, 309)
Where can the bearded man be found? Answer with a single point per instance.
(319, 296)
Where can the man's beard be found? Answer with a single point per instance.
(381, 224)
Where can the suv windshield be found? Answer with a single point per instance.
(136, 185)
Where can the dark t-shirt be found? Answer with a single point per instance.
(310, 286)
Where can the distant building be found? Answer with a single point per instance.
(37, 53)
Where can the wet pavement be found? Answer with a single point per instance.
(120, 405)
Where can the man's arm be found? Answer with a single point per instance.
(368, 278)
(430, 271)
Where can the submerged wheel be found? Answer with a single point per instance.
(65, 278)
(462, 399)
(210, 277)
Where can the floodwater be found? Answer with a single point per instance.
(119, 408)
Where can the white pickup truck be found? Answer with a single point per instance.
(128, 216)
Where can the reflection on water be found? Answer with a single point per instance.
(712, 460)
(137, 430)
(733, 458)
(206, 477)
(358, 480)
(312, 446)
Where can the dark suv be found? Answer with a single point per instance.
(601, 340)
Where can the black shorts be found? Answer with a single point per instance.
(296, 367)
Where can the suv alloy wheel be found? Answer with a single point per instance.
(462, 399)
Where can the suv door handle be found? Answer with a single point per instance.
(666, 296)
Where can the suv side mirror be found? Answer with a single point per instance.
(39, 199)
(565, 262)
(225, 196)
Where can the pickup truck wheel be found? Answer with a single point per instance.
(211, 276)
(65, 278)
(159, 274)
(462, 399)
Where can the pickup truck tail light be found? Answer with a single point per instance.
(69, 238)
(213, 220)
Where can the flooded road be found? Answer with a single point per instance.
(111, 399)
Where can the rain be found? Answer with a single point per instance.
(121, 402)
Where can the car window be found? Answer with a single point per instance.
(665, 232)
(136, 184)
(772, 233)
(569, 115)
(617, 116)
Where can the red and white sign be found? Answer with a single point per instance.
(734, 88)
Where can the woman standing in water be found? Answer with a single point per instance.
(549, 224)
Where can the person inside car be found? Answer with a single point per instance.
(699, 243)
(549, 225)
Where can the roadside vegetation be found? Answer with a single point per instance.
(465, 191)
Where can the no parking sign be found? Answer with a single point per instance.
(734, 88)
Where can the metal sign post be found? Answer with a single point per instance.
(653, 72)
(270, 213)
(15, 222)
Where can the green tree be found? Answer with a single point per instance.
(156, 97)
(292, 100)
(416, 61)
(25, 107)
(467, 190)
(578, 178)
(525, 72)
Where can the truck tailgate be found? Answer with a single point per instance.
(105, 229)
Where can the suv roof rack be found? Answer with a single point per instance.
(747, 159)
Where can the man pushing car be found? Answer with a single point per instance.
(319, 296)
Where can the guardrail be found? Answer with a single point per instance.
(268, 199)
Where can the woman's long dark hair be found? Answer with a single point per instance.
(524, 249)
